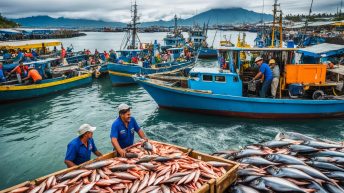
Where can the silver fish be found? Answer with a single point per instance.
(289, 173)
(286, 159)
(257, 161)
(243, 189)
(276, 143)
(324, 165)
(98, 164)
(71, 174)
(302, 149)
(248, 153)
(336, 175)
(122, 167)
(310, 171)
(321, 145)
(294, 136)
(281, 185)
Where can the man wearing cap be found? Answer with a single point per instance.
(79, 149)
(123, 130)
(21, 71)
(265, 70)
(34, 75)
(276, 75)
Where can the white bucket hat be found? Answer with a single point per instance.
(258, 59)
(123, 107)
(86, 127)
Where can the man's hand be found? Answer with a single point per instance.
(121, 152)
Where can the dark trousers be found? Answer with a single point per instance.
(265, 88)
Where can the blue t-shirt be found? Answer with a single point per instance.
(265, 69)
(78, 153)
(124, 135)
(2, 76)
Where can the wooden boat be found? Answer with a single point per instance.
(47, 86)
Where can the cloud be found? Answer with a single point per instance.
(149, 10)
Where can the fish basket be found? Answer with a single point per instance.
(218, 185)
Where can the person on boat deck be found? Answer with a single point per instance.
(21, 71)
(276, 75)
(34, 75)
(63, 53)
(135, 59)
(107, 56)
(2, 76)
(266, 71)
(123, 129)
(19, 56)
(113, 56)
(79, 149)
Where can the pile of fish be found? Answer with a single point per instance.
(147, 167)
(292, 162)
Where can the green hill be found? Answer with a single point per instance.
(5, 23)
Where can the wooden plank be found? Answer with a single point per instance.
(15, 187)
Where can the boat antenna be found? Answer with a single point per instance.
(306, 24)
(262, 19)
(175, 24)
(134, 25)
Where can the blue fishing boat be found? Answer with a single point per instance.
(47, 86)
(174, 39)
(133, 59)
(228, 91)
(198, 39)
(121, 74)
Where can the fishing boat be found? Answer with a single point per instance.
(14, 92)
(134, 59)
(175, 38)
(228, 90)
(198, 40)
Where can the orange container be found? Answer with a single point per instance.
(305, 73)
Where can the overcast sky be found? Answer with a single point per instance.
(149, 10)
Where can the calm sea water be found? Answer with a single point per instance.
(34, 134)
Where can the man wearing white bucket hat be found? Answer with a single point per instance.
(79, 149)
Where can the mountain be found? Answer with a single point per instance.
(218, 16)
(214, 16)
(46, 21)
(5, 23)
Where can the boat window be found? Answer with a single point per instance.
(193, 75)
(208, 78)
(220, 78)
(235, 79)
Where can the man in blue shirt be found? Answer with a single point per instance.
(2, 75)
(123, 130)
(79, 149)
(265, 70)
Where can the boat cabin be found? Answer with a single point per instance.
(175, 52)
(197, 37)
(126, 55)
(172, 41)
(215, 80)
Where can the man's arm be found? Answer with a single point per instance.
(97, 153)
(118, 148)
(258, 75)
(69, 163)
(142, 134)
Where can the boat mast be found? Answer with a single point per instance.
(306, 24)
(134, 26)
(275, 11)
(175, 25)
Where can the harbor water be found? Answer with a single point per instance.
(34, 133)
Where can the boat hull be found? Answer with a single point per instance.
(207, 53)
(121, 74)
(202, 102)
(12, 93)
